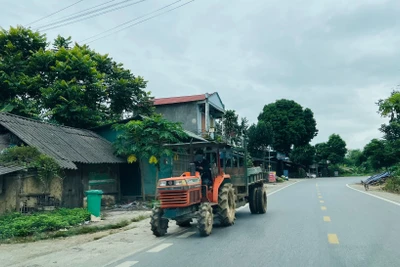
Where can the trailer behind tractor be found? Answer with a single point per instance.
(189, 197)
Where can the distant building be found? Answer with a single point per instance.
(197, 113)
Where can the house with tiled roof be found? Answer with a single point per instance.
(197, 113)
(87, 161)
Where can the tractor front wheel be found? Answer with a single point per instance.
(226, 205)
(205, 219)
(159, 225)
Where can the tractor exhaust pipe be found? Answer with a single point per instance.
(192, 169)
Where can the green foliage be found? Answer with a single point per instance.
(73, 86)
(303, 155)
(280, 180)
(291, 124)
(334, 150)
(393, 184)
(233, 130)
(260, 136)
(18, 225)
(47, 168)
(145, 138)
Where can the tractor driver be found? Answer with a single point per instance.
(203, 166)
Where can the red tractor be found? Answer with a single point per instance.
(207, 193)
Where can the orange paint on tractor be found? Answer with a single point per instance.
(185, 194)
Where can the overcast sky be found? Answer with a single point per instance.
(335, 57)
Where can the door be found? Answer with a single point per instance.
(131, 184)
(72, 190)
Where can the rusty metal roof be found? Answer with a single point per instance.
(179, 99)
(66, 145)
(10, 169)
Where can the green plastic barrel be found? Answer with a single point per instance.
(94, 201)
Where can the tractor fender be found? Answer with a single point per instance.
(219, 181)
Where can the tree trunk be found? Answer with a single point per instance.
(157, 171)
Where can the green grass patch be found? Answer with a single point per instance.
(18, 225)
(139, 218)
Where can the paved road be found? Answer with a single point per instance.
(318, 222)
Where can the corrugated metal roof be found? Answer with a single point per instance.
(10, 169)
(179, 99)
(65, 144)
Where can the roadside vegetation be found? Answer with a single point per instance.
(16, 227)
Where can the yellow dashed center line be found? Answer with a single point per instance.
(323, 208)
(321, 201)
(319, 197)
(333, 239)
(327, 219)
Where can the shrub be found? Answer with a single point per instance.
(18, 225)
(392, 184)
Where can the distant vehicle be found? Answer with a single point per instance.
(311, 175)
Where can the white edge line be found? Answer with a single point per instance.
(381, 198)
(159, 241)
(160, 247)
(242, 207)
(282, 188)
(127, 264)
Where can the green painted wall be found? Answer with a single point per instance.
(149, 170)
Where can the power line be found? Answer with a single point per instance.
(139, 22)
(129, 21)
(82, 11)
(58, 11)
(79, 17)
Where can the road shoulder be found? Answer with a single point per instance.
(377, 192)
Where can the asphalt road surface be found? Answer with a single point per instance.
(315, 222)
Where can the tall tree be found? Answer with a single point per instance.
(334, 150)
(303, 155)
(260, 136)
(233, 130)
(290, 123)
(70, 85)
(20, 81)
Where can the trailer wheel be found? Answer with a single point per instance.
(185, 223)
(226, 205)
(252, 199)
(159, 225)
(261, 200)
(205, 220)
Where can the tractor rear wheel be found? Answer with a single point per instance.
(185, 223)
(159, 225)
(261, 200)
(226, 205)
(205, 220)
(252, 200)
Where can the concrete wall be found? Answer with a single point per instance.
(186, 113)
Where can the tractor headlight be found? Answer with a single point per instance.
(180, 182)
(162, 183)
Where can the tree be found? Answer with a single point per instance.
(20, 81)
(355, 157)
(142, 140)
(73, 86)
(233, 130)
(303, 155)
(260, 136)
(290, 123)
(334, 150)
